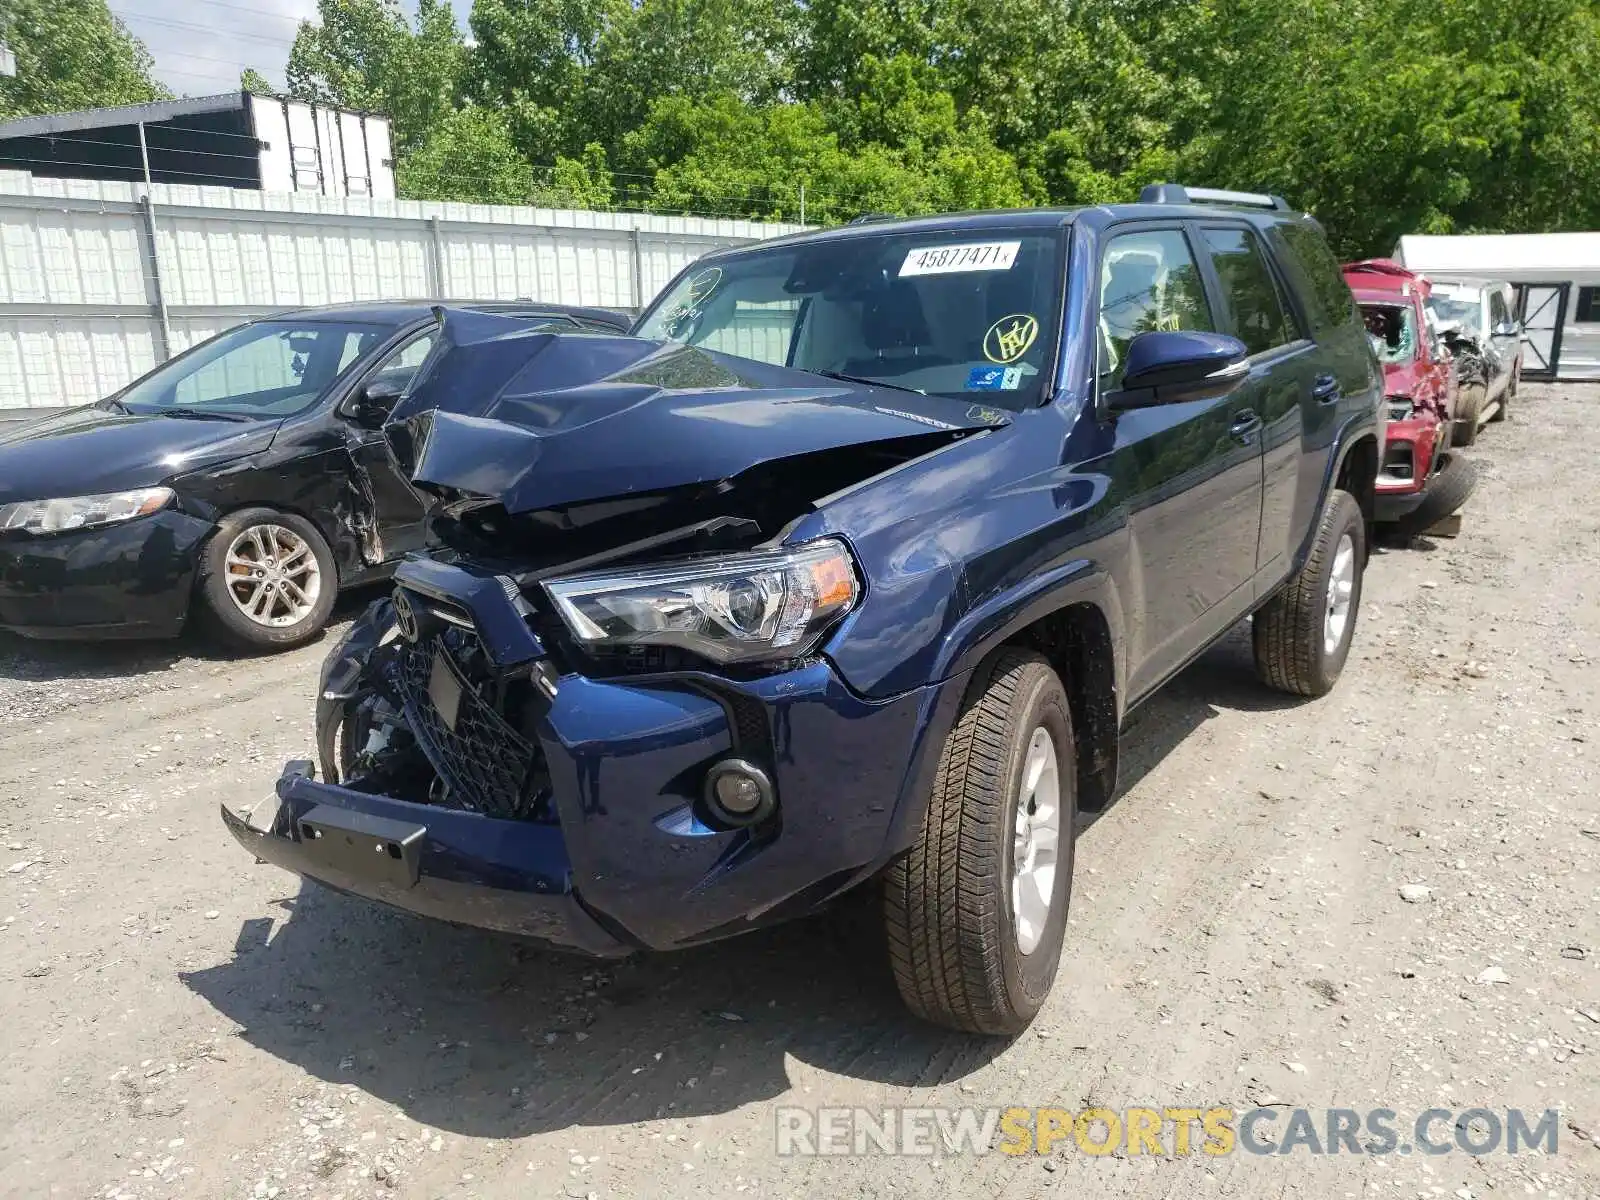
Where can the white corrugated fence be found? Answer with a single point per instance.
(100, 281)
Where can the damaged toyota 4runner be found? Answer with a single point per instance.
(843, 571)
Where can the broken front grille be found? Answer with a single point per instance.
(484, 764)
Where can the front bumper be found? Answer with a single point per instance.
(1410, 449)
(626, 863)
(132, 579)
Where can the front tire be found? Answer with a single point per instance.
(1302, 635)
(977, 910)
(1504, 410)
(268, 580)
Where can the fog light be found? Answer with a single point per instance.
(739, 793)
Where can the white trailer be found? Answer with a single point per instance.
(267, 143)
(1557, 281)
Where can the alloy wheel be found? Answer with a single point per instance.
(1036, 842)
(273, 576)
(1341, 586)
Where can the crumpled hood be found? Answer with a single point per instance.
(1400, 379)
(535, 420)
(89, 451)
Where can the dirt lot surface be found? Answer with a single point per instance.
(182, 1022)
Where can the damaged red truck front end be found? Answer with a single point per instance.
(1420, 483)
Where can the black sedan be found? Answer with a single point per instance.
(247, 478)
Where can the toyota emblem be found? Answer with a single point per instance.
(405, 616)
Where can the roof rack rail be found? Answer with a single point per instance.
(869, 218)
(1176, 193)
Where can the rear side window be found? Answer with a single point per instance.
(1588, 307)
(1259, 318)
(1148, 282)
(1327, 297)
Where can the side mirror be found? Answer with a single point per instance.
(372, 405)
(1506, 329)
(1165, 368)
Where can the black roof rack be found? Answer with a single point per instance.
(869, 218)
(1176, 193)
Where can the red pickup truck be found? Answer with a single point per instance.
(1420, 483)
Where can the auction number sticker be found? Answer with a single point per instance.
(969, 256)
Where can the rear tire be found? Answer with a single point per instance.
(961, 955)
(268, 580)
(1465, 428)
(1302, 635)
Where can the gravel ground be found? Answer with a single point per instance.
(1387, 898)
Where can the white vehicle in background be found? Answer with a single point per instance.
(1475, 320)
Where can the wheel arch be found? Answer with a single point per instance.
(1073, 616)
(1077, 640)
(1352, 466)
(1358, 474)
(343, 541)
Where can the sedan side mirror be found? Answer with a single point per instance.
(1506, 329)
(375, 401)
(1169, 367)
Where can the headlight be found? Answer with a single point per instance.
(737, 608)
(81, 512)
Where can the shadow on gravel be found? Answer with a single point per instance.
(488, 1038)
(455, 1026)
(31, 660)
(1222, 679)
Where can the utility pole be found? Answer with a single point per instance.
(802, 204)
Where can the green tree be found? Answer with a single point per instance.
(582, 182)
(364, 54)
(468, 155)
(252, 81)
(723, 155)
(530, 58)
(693, 48)
(71, 54)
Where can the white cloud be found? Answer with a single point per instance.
(201, 46)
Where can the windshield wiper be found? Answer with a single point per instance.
(111, 404)
(840, 375)
(200, 414)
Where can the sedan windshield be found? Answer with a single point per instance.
(263, 369)
(964, 313)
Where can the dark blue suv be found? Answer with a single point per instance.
(844, 569)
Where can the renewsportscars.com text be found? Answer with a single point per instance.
(1166, 1131)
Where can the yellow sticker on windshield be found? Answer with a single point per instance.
(1008, 338)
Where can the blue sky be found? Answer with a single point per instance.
(200, 46)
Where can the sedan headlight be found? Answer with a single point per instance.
(82, 512)
(737, 608)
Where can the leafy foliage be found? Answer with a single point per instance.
(71, 54)
(254, 82)
(1415, 115)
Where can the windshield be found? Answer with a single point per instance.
(963, 313)
(1448, 308)
(1392, 330)
(263, 369)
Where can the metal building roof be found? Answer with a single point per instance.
(1498, 255)
(121, 114)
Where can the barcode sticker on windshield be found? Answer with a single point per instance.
(970, 256)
